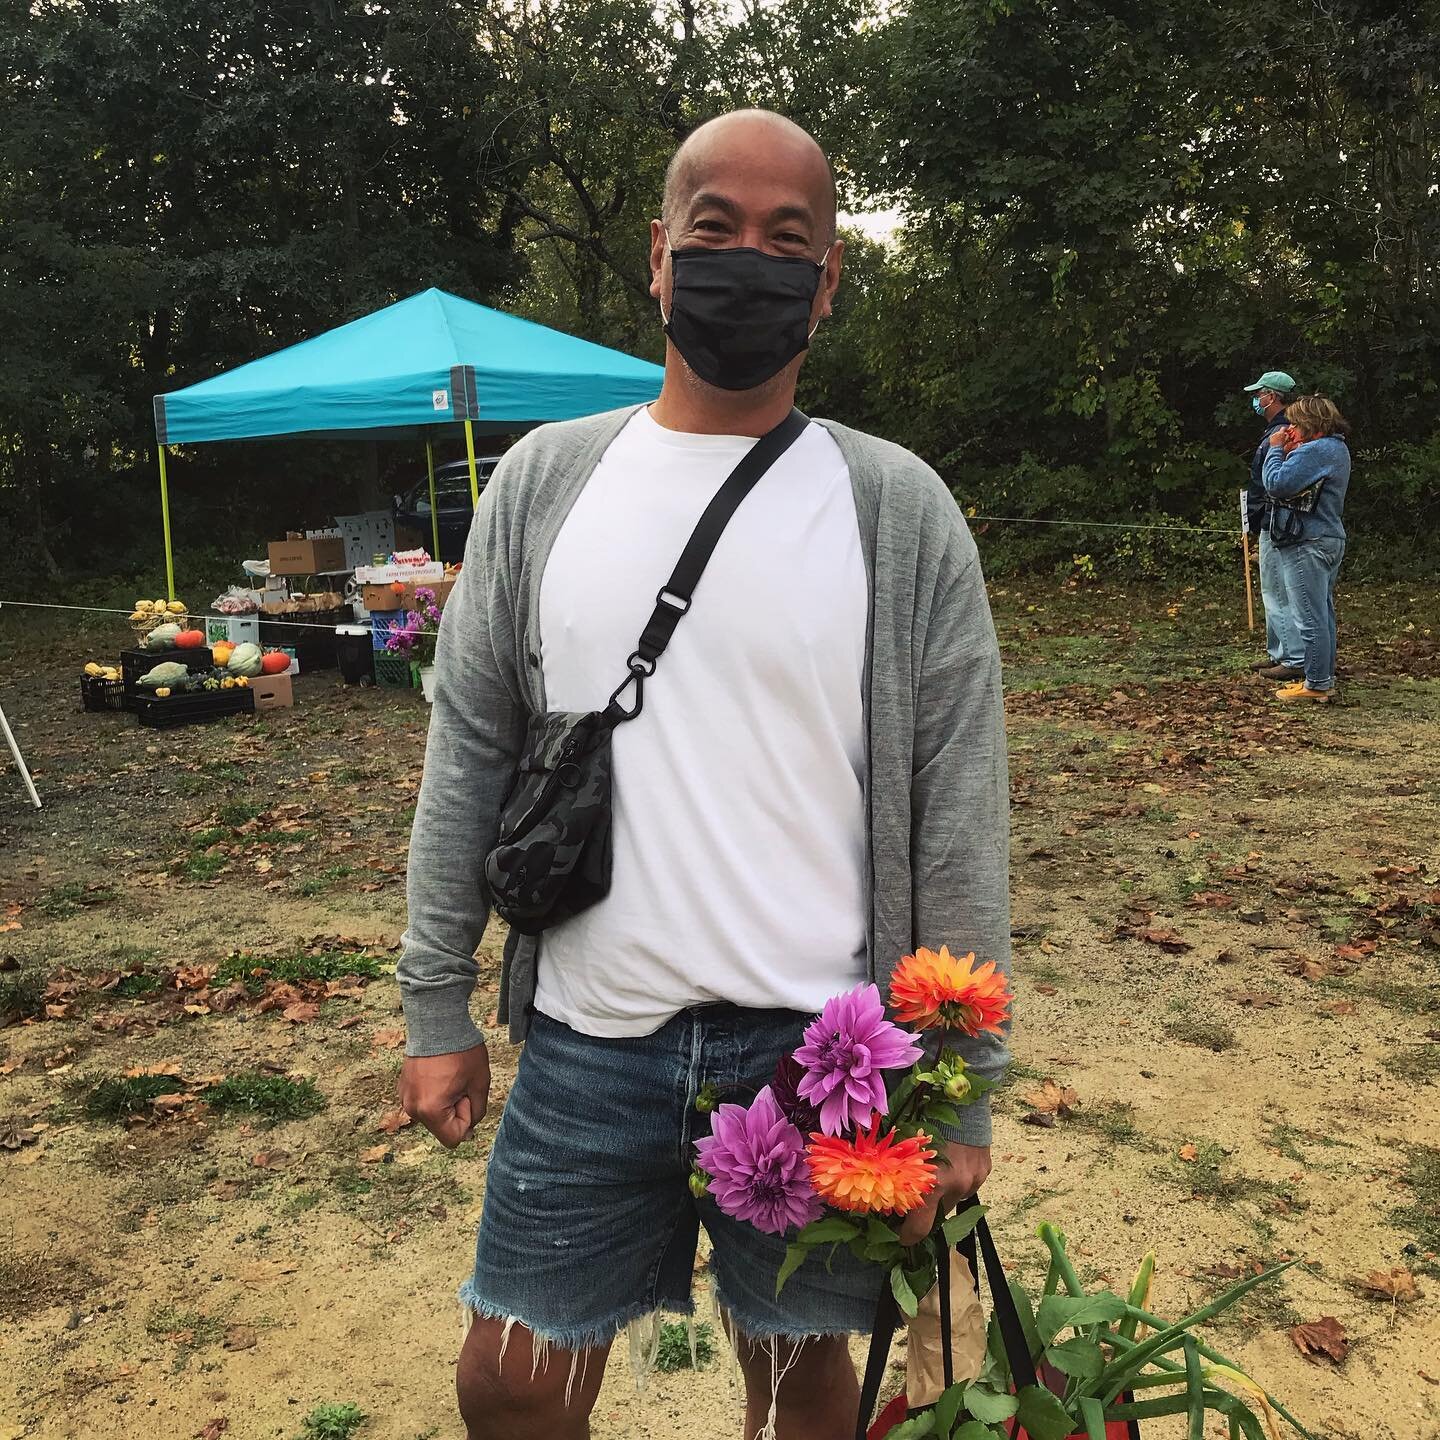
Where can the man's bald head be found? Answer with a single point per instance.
(757, 143)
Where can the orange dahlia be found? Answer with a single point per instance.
(872, 1173)
(929, 989)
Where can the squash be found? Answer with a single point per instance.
(162, 637)
(222, 652)
(163, 693)
(167, 673)
(245, 660)
(277, 662)
(190, 639)
(176, 607)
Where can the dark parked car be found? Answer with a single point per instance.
(452, 496)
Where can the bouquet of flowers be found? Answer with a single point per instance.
(831, 1153)
(415, 637)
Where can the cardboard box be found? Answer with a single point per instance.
(405, 574)
(307, 557)
(273, 692)
(381, 598)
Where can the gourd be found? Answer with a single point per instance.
(162, 637)
(222, 652)
(277, 662)
(246, 660)
(190, 639)
(167, 673)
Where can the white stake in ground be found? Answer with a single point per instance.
(19, 758)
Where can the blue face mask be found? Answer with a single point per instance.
(1256, 406)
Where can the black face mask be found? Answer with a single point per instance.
(740, 316)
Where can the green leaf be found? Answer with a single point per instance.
(1027, 1317)
(974, 1430)
(1092, 1412)
(913, 1428)
(942, 1112)
(1043, 1416)
(947, 1409)
(795, 1254)
(831, 1227)
(1077, 1357)
(989, 1406)
(904, 1295)
(1057, 1312)
(957, 1227)
(877, 1230)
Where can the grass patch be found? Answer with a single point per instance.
(333, 1420)
(384, 1195)
(674, 1352)
(69, 899)
(318, 884)
(1417, 1064)
(190, 1328)
(138, 983)
(1422, 1216)
(115, 1097)
(1115, 1122)
(22, 996)
(273, 1097)
(297, 1202)
(1213, 1035)
(254, 970)
(1410, 999)
(204, 839)
(237, 812)
(203, 867)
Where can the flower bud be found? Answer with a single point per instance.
(957, 1087)
(708, 1098)
(699, 1183)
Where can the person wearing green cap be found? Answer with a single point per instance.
(1284, 651)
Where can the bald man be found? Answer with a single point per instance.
(814, 786)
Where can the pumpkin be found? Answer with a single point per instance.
(222, 652)
(277, 662)
(190, 639)
(246, 660)
(396, 588)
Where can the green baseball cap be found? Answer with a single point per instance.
(1276, 380)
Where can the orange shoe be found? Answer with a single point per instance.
(1300, 691)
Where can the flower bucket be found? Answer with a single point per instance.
(427, 683)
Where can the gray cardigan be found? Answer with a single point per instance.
(937, 788)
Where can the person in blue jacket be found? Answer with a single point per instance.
(1284, 658)
(1306, 475)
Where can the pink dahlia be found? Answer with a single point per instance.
(845, 1054)
(756, 1162)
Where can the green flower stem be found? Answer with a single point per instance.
(1194, 1390)
(1093, 1414)
(1219, 1400)
(1114, 1377)
(1156, 1323)
(1055, 1241)
(1138, 1293)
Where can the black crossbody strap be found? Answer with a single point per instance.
(675, 595)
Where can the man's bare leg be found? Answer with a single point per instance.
(510, 1391)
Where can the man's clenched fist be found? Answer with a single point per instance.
(447, 1094)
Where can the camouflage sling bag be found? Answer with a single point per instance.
(553, 853)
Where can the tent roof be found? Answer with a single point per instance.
(431, 360)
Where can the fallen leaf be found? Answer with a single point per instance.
(1047, 989)
(1253, 999)
(1223, 1271)
(1339, 1007)
(350, 1021)
(1041, 1118)
(393, 1120)
(1165, 938)
(1188, 1153)
(213, 1429)
(1325, 1336)
(13, 1135)
(1211, 900)
(240, 1337)
(1397, 1284)
(301, 1014)
(388, 1039)
(271, 1159)
(1052, 1098)
(374, 1155)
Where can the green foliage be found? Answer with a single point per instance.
(115, 1097)
(254, 970)
(22, 996)
(674, 1351)
(273, 1097)
(333, 1420)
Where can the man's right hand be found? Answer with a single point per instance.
(447, 1094)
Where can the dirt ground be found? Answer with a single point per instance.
(1227, 929)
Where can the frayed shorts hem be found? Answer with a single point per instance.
(577, 1337)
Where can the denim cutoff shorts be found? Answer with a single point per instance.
(589, 1222)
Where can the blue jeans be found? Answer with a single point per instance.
(1311, 569)
(589, 1222)
(1282, 632)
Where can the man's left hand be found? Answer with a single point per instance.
(962, 1170)
(1277, 437)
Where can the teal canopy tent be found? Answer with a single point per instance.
(431, 363)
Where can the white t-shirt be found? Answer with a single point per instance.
(739, 820)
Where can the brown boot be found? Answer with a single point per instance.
(1258, 665)
(1282, 672)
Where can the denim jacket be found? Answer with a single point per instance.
(1287, 476)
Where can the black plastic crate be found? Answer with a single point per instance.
(309, 633)
(97, 693)
(397, 672)
(135, 663)
(193, 707)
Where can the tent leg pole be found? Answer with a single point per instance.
(165, 516)
(434, 513)
(470, 451)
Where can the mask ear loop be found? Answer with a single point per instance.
(824, 261)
